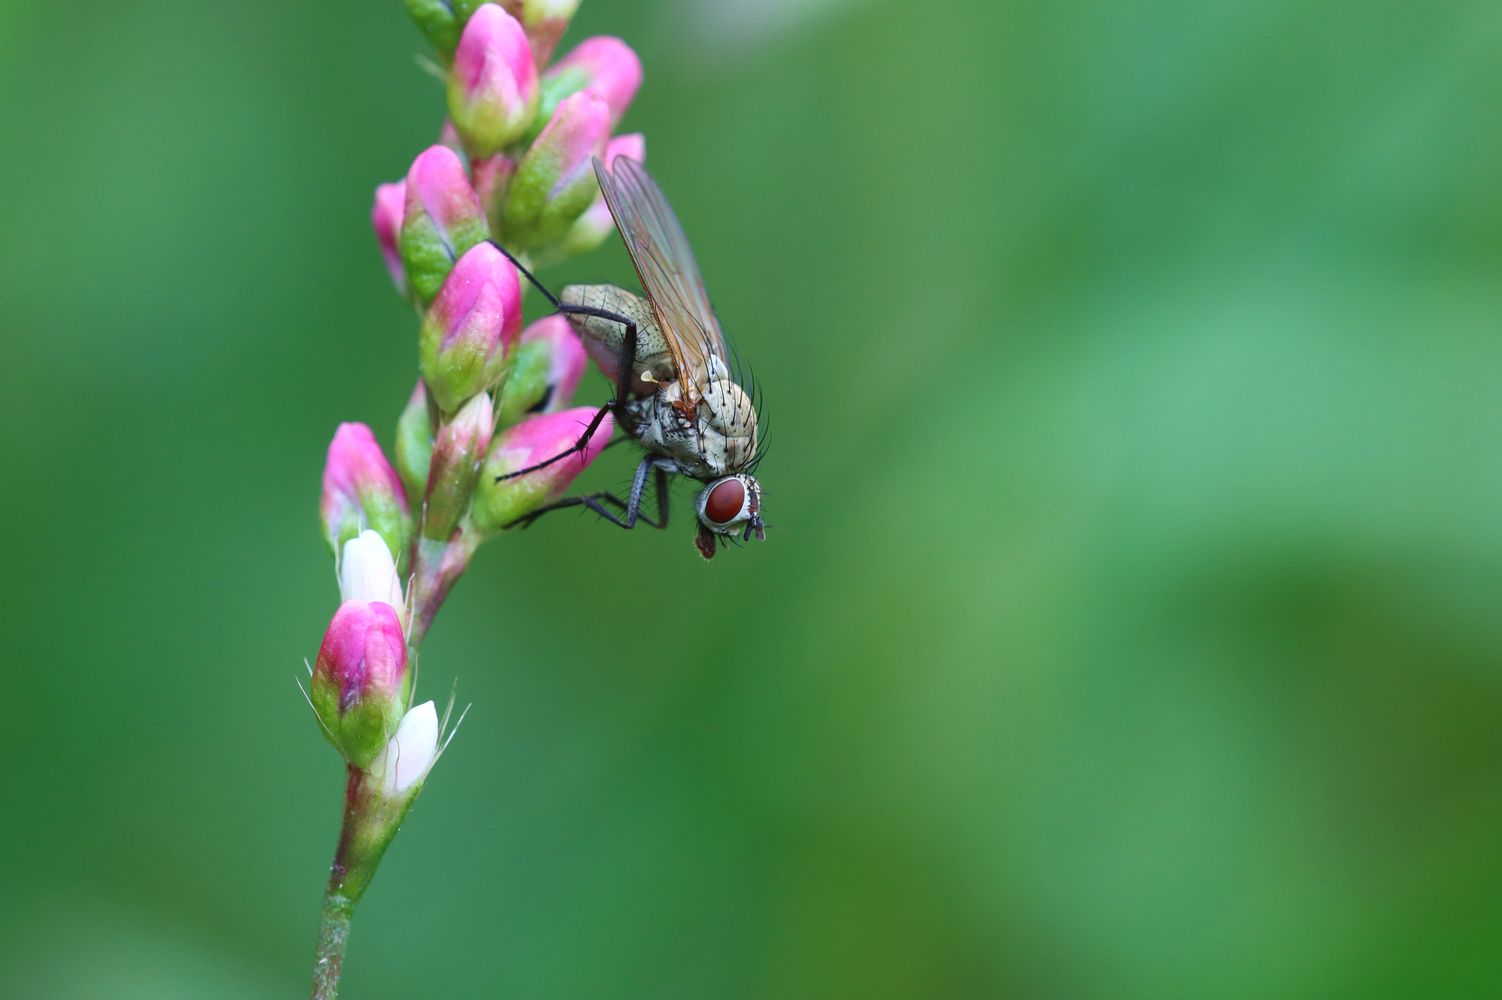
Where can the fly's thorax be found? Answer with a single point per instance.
(727, 411)
(604, 338)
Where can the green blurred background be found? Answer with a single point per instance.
(1129, 623)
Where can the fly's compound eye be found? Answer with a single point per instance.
(726, 502)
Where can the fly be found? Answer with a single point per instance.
(675, 391)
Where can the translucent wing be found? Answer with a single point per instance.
(667, 269)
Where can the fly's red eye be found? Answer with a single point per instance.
(725, 500)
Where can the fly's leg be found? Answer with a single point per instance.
(576, 448)
(626, 367)
(659, 487)
(631, 511)
(527, 274)
(590, 500)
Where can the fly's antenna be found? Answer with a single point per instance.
(527, 274)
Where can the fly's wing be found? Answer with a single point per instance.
(667, 269)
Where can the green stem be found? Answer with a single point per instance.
(338, 901)
(333, 934)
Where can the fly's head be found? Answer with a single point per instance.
(729, 506)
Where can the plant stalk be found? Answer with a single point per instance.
(338, 904)
(333, 934)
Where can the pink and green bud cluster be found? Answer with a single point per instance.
(549, 363)
(470, 328)
(492, 85)
(498, 505)
(458, 450)
(442, 219)
(361, 490)
(527, 133)
(360, 683)
(444, 22)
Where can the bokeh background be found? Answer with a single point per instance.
(1129, 626)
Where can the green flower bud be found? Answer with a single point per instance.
(457, 452)
(414, 443)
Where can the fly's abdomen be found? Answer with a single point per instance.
(604, 338)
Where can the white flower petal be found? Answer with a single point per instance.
(410, 753)
(368, 573)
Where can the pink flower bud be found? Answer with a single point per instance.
(474, 321)
(492, 89)
(458, 451)
(386, 219)
(361, 490)
(442, 219)
(555, 181)
(359, 684)
(603, 66)
(591, 228)
(498, 504)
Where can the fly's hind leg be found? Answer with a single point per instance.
(631, 511)
(625, 367)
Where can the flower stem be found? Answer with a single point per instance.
(338, 902)
(333, 933)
